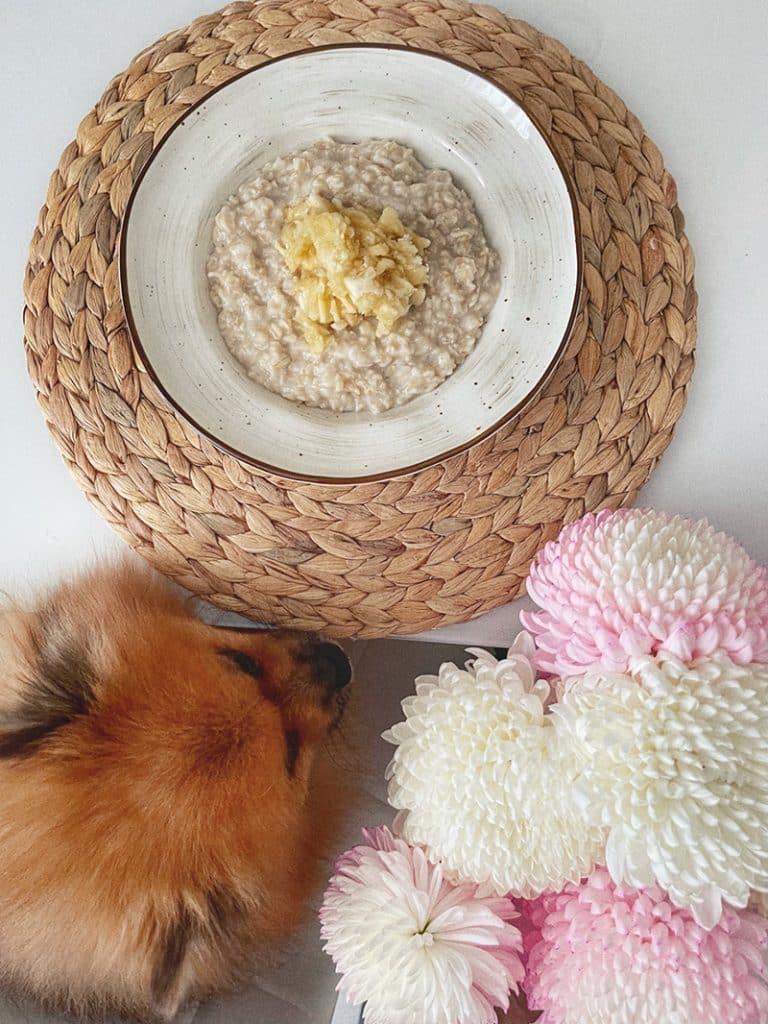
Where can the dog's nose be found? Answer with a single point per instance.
(332, 666)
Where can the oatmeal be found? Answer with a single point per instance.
(359, 368)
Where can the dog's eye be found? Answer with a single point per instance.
(243, 661)
(250, 667)
(292, 747)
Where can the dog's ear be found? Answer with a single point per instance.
(54, 657)
(48, 675)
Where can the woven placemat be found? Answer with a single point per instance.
(444, 544)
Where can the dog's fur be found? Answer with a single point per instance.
(156, 812)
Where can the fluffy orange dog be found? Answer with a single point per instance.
(156, 813)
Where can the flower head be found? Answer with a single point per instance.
(411, 945)
(482, 782)
(675, 768)
(613, 955)
(616, 585)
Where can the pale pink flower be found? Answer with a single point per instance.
(607, 954)
(412, 946)
(615, 585)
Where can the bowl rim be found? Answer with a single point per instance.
(398, 472)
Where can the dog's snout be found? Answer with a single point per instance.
(332, 666)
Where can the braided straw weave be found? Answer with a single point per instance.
(415, 552)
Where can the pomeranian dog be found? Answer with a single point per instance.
(159, 818)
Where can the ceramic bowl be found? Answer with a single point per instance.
(453, 118)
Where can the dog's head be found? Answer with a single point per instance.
(176, 760)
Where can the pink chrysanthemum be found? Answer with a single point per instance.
(616, 585)
(613, 955)
(413, 947)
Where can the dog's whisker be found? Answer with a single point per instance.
(344, 765)
(343, 751)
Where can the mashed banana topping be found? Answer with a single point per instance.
(349, 264)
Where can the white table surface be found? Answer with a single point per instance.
(694, 71)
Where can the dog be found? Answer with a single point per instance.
(159, 819)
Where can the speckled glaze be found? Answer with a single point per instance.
(453, 118)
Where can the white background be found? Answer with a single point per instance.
(694, 71)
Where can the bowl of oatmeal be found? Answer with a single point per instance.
(351, 262)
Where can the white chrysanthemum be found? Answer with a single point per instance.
(482, 782)
(412, 946)
(676, 769)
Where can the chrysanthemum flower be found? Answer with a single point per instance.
(481, 781)
(412, 946)
(607, 954)
(675, 768)
(617, 585)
